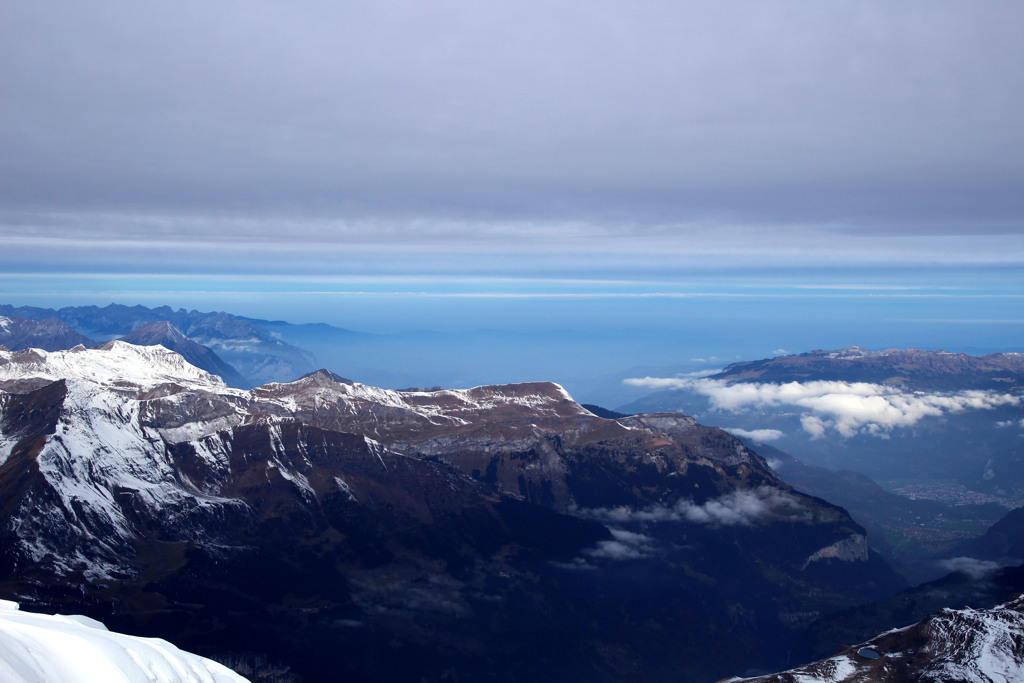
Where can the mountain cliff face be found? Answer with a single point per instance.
(410, 533)
(969, 645)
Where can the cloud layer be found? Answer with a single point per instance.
(848, 408)
(769, 130)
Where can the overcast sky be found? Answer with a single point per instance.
(542, 137)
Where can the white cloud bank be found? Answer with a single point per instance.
(849, 408)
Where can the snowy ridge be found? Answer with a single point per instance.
(322, 390)
(990, 644)
(968, 645)
(115, 365)
(74, 649)
(119, 365)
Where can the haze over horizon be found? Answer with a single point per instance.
(666, 180)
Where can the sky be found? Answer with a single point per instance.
(823, 172)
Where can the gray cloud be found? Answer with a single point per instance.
(849, 408)
(677, 124)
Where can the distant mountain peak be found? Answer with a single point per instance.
(914, 367)
(131, 468)
(324, 375)
(156, 333)
(49, 334)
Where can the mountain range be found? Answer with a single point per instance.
(377, 535)
(503, 531)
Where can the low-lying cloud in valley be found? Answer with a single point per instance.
(625, 545)
(741, 507)
(978, 570)
(758, 435)
(848, 408)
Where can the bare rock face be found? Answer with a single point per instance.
(495, 529)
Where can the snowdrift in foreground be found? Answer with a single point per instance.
(76, 649)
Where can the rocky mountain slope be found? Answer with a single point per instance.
(380, 535)
(968, 645)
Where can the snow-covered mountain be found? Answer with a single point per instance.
(438, 524)
(163, 333)
(966, 645)
(76, 649)
(117, 366)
